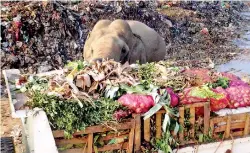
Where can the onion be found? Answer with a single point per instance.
(239, 96)
(137, 103)
(174, 97)
(234, 83)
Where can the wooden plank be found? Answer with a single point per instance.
(131, 140)
(71, 141)
(240, 117)
(162, 111)
(246, 129)
(95, 129)
(219, 119)
(206, 118)
(194, 105)
(212, 127)
(137, 143)
(90, 142)
(228, 127)
(238, 134)
(147, 130)
(232, 126)
(112, 136)
(158, 125)
(181, 120)
(113, 147)
(192, 120)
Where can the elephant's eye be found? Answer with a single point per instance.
(92, 51)
(123, 50)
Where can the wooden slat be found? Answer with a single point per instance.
(95, 129)
(71, 141)
(163, 111)
(219, 119)
(158, 125)
(131, 140)
(181, 120)
(232, 126)
(147, 130)
(90, 142)
(192, 120)
(194, 105)
(206, 118)
(113, 147)
(240, 117)
(246, 129)
(228, 127)
(116, 135)
(238, 134)
(137, 140)
(212, 127)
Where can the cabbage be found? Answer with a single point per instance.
(204, 92)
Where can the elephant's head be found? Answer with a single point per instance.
(112, 41)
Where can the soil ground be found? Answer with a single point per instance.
(10, 126)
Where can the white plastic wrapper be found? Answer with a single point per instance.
(224, 112)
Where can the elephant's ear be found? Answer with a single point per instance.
(137, 36)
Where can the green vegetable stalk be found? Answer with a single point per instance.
(67, 115)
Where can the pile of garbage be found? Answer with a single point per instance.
(41, 36)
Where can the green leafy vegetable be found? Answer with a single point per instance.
(67, 115)
(204, 92)
(76, 65)
(221, 82)
(147, 72)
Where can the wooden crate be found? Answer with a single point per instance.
(191, 107)
(237, 125)
(86, 138)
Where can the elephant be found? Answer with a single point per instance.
(124, 41)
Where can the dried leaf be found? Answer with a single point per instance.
(94, 86)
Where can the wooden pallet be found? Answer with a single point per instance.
(191, 107)
(237, 125)
(125, 130)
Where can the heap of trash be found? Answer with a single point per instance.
(42, 36)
